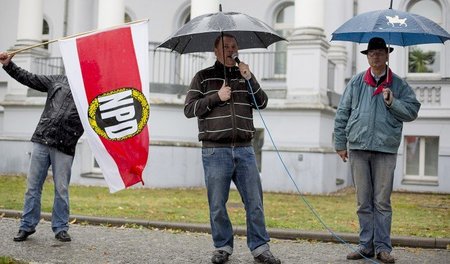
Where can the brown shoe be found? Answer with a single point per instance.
(385, 257)
(359, 254)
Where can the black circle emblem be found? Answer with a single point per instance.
(119, 114)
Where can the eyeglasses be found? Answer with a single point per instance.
(378, 53)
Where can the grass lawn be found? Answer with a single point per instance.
(9, 260)
(415, 214)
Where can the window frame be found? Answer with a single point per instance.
(421, 178)
(442, 49)
(285, 30)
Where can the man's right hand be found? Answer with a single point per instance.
(224, 93)
(343, 154)
(5, 58)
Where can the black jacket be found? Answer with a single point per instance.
(223, 124)
(59, 126)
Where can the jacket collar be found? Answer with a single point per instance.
(218, 65)
(368, 79)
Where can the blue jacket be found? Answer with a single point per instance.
(365, 122)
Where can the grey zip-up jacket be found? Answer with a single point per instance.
(59, 126)
(365, 122)
(223, 124)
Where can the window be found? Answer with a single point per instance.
(421, 159)
(127, 18)
(95, 166)
(187, 18)
(284, 26)
(45, 33)
(94, 171)
(425, 58)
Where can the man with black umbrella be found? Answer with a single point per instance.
(368, 128)
(221, 97)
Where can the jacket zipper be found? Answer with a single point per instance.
(233, 114)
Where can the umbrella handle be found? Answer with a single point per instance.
(387, 70)
(223, 55)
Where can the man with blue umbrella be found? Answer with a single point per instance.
(368, 129)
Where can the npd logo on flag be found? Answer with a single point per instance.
(108, 77)
(119, 114)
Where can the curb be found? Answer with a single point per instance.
(288, 234)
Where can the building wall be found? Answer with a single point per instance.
(301, 132)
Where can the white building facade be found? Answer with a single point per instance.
(303, 78)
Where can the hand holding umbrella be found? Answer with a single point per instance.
(224, 93)
(388, 97)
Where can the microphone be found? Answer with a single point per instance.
(235, 58)
(245, 72)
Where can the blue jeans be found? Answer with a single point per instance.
(42, 157)
(373, 175)
(237, 164)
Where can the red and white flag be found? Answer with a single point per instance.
(108, 76)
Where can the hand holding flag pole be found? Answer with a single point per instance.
(14, 52)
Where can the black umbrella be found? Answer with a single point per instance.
(199, 34)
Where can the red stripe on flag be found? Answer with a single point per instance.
(108, 62)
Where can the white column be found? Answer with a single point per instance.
(29, 32)
(201, 7)
(309, 13)
(80, 16)
(338, 50)
(110, 13)
(29, 28)
(306, 75)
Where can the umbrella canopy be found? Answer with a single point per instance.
(395, 27)
(199, 34)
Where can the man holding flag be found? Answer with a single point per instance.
(108, 75)
(54, 142)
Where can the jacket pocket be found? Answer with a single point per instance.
(357, 128)
(206, 152)
(390, 132)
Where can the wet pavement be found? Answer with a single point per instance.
(100, 244)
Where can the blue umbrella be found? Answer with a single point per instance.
(394, 26)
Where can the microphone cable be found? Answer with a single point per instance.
(311, 208)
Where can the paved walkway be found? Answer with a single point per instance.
(99, 244)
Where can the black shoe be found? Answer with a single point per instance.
(22, 235)
(267, 258)
(63, 236)
(359, 254)
(220, 256)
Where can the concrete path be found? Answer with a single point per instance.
(99, 244)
